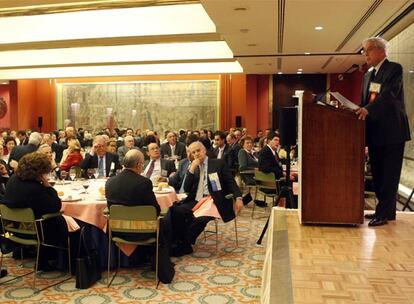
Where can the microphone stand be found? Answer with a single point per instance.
(285, 192)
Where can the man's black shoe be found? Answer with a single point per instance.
(369, 216)
(181, 249)
(3, 273)
(260, 203)
(377, 222)
(6, 245)
(372, 215)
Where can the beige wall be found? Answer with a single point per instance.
(401, 51)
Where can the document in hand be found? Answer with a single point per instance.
(344, 101)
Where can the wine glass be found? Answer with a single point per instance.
(96, 173)
(85, 186)
(72, 173)
(90, 172)
(63, 176)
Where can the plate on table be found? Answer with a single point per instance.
(162, 191)
(71, 198)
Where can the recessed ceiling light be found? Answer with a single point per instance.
(5, 82)
(318, 28)
(300, 70)
(307, 53)
(240, 9)
(252, 44)
(244, 30)
(410, 71)
(280, 73)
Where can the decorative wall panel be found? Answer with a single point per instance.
(159, 106)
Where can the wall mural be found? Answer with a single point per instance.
(159, 106)
(401, 50)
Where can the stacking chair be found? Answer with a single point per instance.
(266, 181)
(132, 220)
(21, 227)
(216, 220)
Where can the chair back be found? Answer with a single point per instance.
(265, 180)
(133, 219)
(18, 221)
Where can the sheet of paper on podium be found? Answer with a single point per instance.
(344, 101)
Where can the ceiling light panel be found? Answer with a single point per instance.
(141, 21)
(124, 70)
(125, 53)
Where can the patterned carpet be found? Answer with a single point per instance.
(232, 276)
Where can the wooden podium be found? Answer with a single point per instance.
(331, 165)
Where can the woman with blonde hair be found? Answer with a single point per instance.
(73, 156)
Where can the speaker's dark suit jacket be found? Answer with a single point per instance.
(179, 150)
(177, 179)
(130, 189)
(387, 121)
(19, 151)
(167, 165)
(228, 185)
(92, 162)
(269, 163)
(387, 130)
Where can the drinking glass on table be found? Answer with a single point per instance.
(96, 173)
(85, 185)
(63, 176)
(90, 172)
(72, 173)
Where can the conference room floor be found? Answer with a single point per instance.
(234, 276)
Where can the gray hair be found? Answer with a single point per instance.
(378, 42)
(99, 138)
(35, 138)
(43, 146)
(132, 158)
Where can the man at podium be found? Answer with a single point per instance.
(387, 129)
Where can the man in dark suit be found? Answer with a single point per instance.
(268, 157)
(156, 166)
(173, 147)
(387, 127)
(106, 163)
(129, 143)
(130, 188)
(19, 151)
(176, 180)
(205, 177)
(221, 151)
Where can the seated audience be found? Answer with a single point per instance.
(4, 177)
(176, 180)
(9, 144)
(47, 150)
(19, 151)
(248, 161)
(112, 145)
(29, 188)
(73, 155)
(173, 147)
(105, 162)
(268, 158)
(129, 144)
(221, 150)
(156, 166)
(209, 187)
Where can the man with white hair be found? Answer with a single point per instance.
(105, 162)
(19, 151)
(208, 181)
(129, 144)
(387, 128)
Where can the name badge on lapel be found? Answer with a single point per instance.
(374, 89)
(215, 182)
